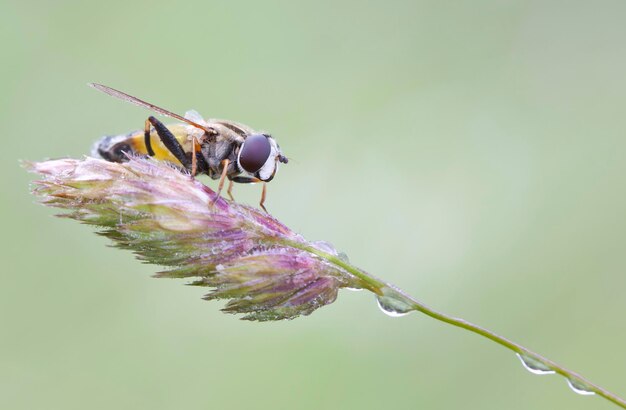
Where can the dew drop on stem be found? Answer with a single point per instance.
(343, 257)
(579, 387)
(354, 289)
(534, 366)
(393, 303)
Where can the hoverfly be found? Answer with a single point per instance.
(219, 148)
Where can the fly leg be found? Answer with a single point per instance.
(222, 179)
(230, 190)
(249, 180)
(194, 158)
(146, 138)
(169, 140)
(263, 194)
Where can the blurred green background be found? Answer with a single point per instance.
(473, 153)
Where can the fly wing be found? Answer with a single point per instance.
(193, 115)
(192, 131)
(134, 100)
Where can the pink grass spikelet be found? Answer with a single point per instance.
(167, 218)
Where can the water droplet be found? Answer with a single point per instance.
(354, 289)
(325, 247)
(343, 257)
(534, 366)
(579, 387)
(393, 303)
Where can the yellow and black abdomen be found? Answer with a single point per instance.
(116, 148)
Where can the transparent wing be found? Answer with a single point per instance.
(134, 100)
(193, 115)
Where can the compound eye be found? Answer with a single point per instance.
(254, 153)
